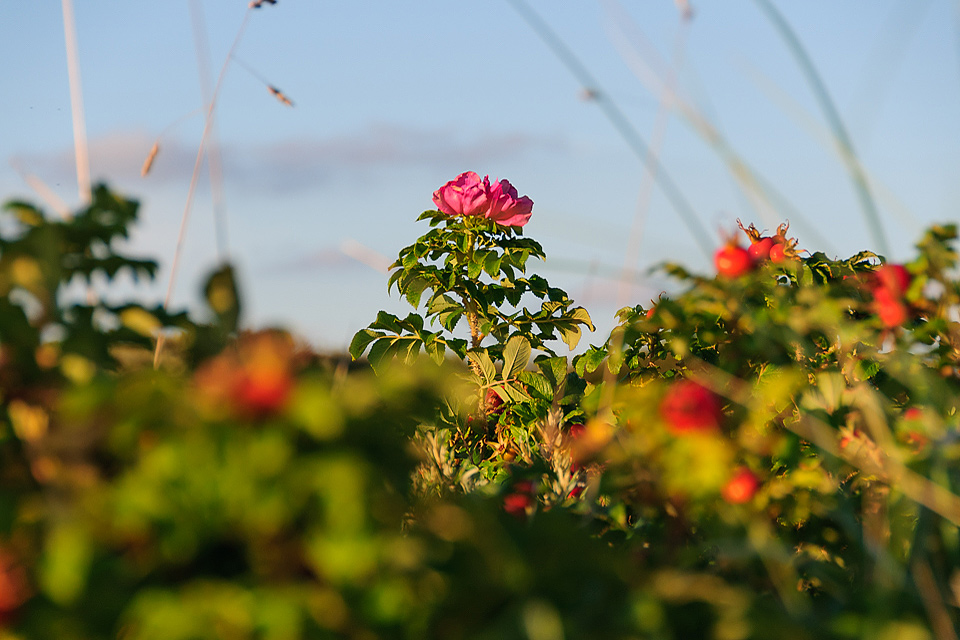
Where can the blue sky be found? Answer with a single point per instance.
(393, 99)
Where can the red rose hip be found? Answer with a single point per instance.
(778, 253)
(732, 261)
(760, 249)
(741, 487)
(688, 407)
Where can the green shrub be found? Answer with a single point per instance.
(766, 453)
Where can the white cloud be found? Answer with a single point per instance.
(292, 164)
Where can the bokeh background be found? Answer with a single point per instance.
(393, 99)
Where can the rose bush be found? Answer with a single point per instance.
(766, 455)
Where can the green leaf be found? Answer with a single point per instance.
(387, 322)
(491, 264)
(361, 340)
(430, 214)
(25, 212)
(223, 297)
(458, 346)
(482, 358)
(581, 315)
(513, 295)
(450, 319)
(413, 289)
(408, 348)
(554, 369)
(590, 360)
(474, 268)
(570, 334)
(866, 369)
(516, 355)
(442, 303)
(379, 353)
(513, 393)
(66, 563)
(434, 349)
(538, 382)
(413, 322)
(408, 257)
(395, 276)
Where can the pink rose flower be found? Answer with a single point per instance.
(506, 206)
(466, 195)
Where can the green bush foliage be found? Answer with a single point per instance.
(768, 452)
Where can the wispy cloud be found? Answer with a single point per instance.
(349, 254)
(328, 258)
(294, 164)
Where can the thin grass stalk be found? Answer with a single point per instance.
(214, 155)
(832, 116)
(45, 193)
(620, 122)
(81, 149)
(886, 55)
(793, 109)
(933, 600)
(649, 170)
(762, 195)
(174, 267)
(646, 190)
(155, 149)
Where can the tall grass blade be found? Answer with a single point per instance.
(620, 122)
(830, 112)
(771, 205)
(214, 160)
(80, 147)
(194, 177)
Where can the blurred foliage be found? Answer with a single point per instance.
(763, 456)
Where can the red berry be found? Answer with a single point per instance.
(778, 253)
(524, 486)
(917, 440)
(913, 413)
(14, 586)
(688, 407)
(889, 308)
(760, 249)
(493, 403)
(732, 261)
(263, 393)
(521, 499)
(894, 278)
(516, 504)
(741, 487)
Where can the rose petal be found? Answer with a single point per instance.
(465, 195)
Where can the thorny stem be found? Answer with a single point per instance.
(470, 306)
(475, 336)
(473, 319)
